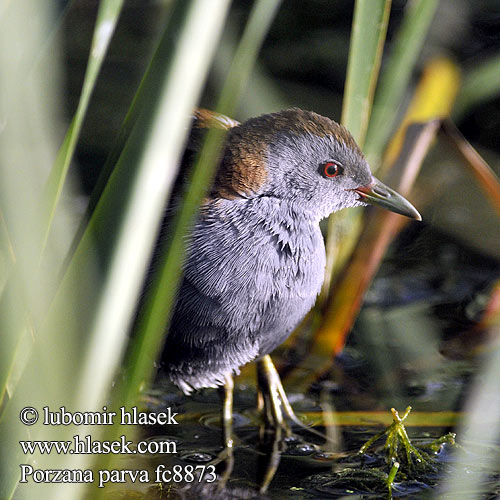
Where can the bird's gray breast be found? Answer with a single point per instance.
(257, 268)
(253, 270)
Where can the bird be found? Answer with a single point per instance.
(255, 258)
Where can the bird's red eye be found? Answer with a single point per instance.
(331, 169)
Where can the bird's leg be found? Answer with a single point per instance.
(227, 430)
(270, 381)
(269, 405)
(227, 412)
(287, 407)
(270, 393)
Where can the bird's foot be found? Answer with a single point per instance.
(273, 404)
(275, 431)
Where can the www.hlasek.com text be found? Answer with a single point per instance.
(86, 445)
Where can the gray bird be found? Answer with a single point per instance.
(256, 257)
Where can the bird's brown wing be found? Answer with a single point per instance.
(204, 119)
(211, 119)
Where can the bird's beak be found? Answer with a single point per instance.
(377, 193)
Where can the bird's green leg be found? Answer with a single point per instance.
(274, 375)
(227, 412)
(268, 377)
(273, 404)
(226, 455)
(269, 406)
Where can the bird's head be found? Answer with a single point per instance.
(305, 159)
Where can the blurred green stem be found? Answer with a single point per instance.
(369, 28)
(148, 87)
(396, 74)
(107, 18)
